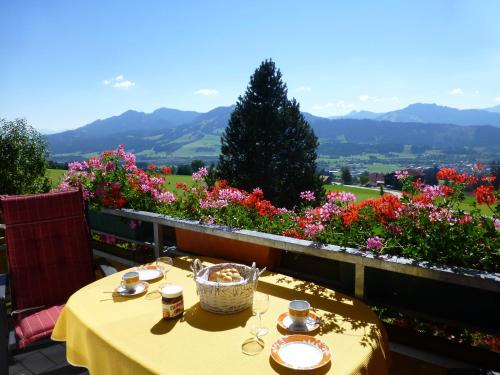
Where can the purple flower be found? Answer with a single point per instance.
(374, 243)
(307, 195)
(497, 224)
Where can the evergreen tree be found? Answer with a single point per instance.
(268, 143)
(345, 175)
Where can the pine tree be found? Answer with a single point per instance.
(345, 175)
(268, 143)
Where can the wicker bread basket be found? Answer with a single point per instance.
(225, 298)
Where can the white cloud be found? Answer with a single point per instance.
(119, 82)
(457, 91)
(303, 89)
(497, 99)
(395, 99)
(124, 84)
(338, 106)
(365, 98)
(206, 92)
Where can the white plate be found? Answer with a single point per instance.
(300, 352)
(149, 273)
(140, 288)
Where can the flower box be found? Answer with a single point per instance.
(120, 227)
(225, 248)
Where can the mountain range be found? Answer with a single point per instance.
(432, 113)
(174, 136)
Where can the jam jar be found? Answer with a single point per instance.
(172, 301)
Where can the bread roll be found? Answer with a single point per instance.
(225, 275)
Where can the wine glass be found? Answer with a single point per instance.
(255, 344)
(165, 264)
(259, 306)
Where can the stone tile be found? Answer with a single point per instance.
(18, 369)
(37, 363)
(56, 353)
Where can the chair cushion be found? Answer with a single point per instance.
(48, 247)
(32, 326)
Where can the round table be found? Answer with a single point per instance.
(110, 334)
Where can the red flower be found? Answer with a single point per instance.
(221, 184)
(489, 179)
(446, 174)
(152, 167)
(485, 194)
(292, 232)
(265, 208)
(350, 216)
(166, 170)
(182, 186)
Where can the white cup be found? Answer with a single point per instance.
(298, 311)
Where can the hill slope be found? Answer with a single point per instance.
(177, 136)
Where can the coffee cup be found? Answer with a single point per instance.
(298, 311)
(130, 280)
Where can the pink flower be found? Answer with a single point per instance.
(497, 224)
(374, 243)
(307, 195)
(340, 196)
(312, 230)
(401, 175)
(166, 197)
(132, 224)
(109, 239)
(434, 191)
(231, 195)
(200, 174)
(77, 166)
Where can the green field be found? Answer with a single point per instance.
(55, 175)
(361, 193)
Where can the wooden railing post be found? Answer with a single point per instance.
(158, 238)
(359, 283)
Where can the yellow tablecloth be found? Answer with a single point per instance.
(117, 335)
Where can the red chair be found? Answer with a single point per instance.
(49, 257)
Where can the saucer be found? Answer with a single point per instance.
(148, 273)
(312, 323)
(139, 289)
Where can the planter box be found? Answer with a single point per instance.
(225, 248)
(461, 352)
(120, 226)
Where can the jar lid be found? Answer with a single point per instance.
(171, 291)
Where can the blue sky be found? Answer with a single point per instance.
(66, 63)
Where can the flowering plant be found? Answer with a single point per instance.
(113, 180)
(423, 223)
